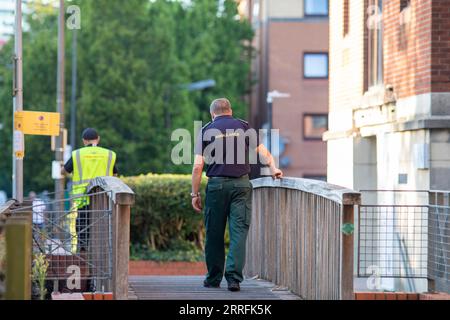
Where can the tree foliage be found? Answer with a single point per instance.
(133, 58)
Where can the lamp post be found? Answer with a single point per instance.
(190, 87)
(73, 100)
(18, 137)
(200, 85)
(270, 96)
(59, 152)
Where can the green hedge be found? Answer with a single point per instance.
(162, 219)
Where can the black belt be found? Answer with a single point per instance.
(245, 176)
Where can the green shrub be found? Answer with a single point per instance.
(39, 273)
(162, 218)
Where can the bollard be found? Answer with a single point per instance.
(18, 257)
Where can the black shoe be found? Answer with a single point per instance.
(208, 285)
(234, 286)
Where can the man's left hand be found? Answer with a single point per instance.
(197, 204)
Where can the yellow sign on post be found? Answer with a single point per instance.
(37, 123)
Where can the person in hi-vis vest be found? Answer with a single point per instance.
(86, 163)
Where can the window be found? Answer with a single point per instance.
(346, 17)
(316, 8)
(315, 65)
(314, 126)
(375, 45)
(404, 4)
(255, 10)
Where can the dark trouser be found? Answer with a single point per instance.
(84, 234)
(227, 198)
(82, 226)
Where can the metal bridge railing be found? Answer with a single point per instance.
(87, 247)
(77, 242)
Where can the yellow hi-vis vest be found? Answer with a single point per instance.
(89, 163)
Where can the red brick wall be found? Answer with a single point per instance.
(386, 296)
(143, 268)
(288, 42)
(407, 47)
(346, 17)
(440, 57)
(400, 296)
(417, 51)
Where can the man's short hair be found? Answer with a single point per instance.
(220, 106)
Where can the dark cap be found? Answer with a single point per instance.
(89, 134)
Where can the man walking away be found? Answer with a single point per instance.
(228, 192)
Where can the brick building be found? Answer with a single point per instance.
(389, 124)
(389, 113)
(291, 41)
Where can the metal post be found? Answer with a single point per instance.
(73, 102)
(59, 152)
(17, 174)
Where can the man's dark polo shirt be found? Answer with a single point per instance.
(231, 168)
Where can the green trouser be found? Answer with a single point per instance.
(227, 198)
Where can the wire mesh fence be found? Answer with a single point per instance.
(439, 240)
(405, 234)
(75, 238)
(392, 241)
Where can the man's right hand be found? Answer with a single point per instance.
(197, 204)
(276, 173)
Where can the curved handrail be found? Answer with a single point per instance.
(118, 191)
(301, 236)
(332, 192)
(6, 207)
